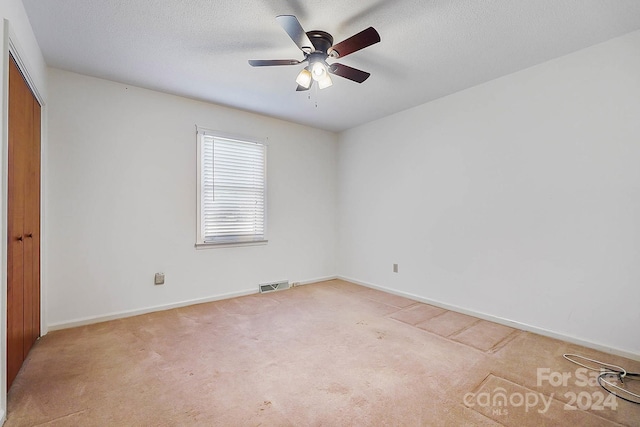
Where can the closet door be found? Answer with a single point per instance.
(31, 245)
(23, 222)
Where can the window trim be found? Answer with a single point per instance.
(200, 132)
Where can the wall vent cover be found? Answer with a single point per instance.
(274, 286)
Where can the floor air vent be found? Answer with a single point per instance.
(274, 286)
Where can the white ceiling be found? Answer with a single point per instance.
(429, 48)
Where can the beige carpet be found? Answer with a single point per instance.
(331, 353)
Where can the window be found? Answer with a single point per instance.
(231, 189)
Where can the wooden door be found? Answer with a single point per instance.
(31, 252)
(23, 222)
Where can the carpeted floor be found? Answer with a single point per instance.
(330, 353)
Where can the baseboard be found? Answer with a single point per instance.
(502, 321)
(130, 313)
(319, 279)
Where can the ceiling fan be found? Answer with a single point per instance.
(317, 47)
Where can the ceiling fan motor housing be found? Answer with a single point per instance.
(321, 40)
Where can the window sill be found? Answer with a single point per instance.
(230, 245)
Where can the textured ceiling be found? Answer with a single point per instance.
(429, 48)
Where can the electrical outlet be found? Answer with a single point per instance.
(395, 268)
(159, 279)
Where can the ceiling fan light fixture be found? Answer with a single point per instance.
(304, 78)
(318, 71)
(325, 81)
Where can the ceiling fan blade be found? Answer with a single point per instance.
(302, 88)
(354, 43)
(270, 62)
(349, 73)
(292, 26)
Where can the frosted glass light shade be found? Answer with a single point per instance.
(304, 78)
(318, 71)
(325, 81)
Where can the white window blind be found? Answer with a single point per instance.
(232, 190)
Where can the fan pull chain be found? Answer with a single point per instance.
(315, 89)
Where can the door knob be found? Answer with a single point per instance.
(19, 238)
(30, 235)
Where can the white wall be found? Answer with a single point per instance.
(121, 201)
(15, 31)
(518, 198)
(22, 36)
